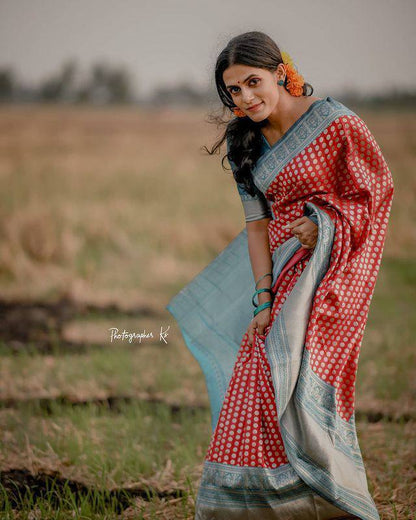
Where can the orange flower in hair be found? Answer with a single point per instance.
(238, 112)
(295, 80)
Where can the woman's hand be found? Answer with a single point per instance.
(305, 230)
(259, 322)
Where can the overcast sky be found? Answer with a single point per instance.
(364, 44)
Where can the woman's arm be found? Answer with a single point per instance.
(260, 257)
(261, 263)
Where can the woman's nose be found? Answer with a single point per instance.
(247, 96)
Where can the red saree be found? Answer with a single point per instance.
(284, 441)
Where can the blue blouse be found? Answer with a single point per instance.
(256, 207)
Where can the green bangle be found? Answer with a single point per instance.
(258, 291)
(261, 307)
(264, 276)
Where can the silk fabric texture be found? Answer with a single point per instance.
(284, 442)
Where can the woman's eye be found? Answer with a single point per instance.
(232, 90)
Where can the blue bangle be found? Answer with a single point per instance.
(261, 307)
(258, 291)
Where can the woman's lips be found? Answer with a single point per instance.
(255, 107)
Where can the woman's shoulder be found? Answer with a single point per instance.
(338, 108)
(312, 99)
(340, 118)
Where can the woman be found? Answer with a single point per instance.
(317, 194)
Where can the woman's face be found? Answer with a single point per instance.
(253, 87)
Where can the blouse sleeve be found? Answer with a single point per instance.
(256, 207)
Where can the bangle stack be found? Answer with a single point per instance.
(264, 305)
(261, 307)
(258, 291)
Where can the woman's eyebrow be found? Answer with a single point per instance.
(247, 78)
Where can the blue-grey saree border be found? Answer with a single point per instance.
(298, 137)
(321, 447)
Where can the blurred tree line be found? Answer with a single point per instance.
(103, 84)
(106, 84)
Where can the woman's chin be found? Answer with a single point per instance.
(260, 114)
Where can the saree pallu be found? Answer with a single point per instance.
(284, 442)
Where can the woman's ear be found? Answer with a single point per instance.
(280, 72)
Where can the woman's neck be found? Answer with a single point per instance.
(287, 111)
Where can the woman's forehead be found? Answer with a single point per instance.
(239, 73)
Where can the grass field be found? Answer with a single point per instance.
(96, 235)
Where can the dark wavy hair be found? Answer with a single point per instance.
(255, 49)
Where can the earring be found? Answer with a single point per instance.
(281, 82)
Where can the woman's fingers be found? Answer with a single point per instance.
(251, 329)
(261, 328)
(295, 223)
(259, 325)
(306, 233)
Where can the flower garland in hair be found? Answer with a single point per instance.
(295, 80)
(294, 84)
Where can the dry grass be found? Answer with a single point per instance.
(95, 206)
